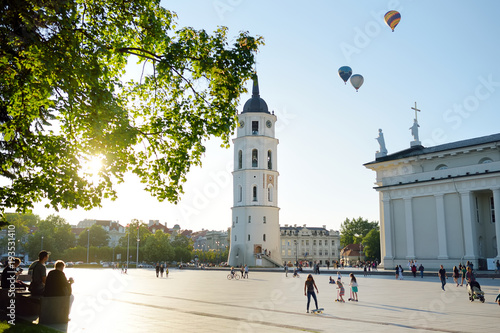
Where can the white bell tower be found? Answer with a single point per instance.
(255, 230)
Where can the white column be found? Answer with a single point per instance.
(468, 225)
(441, 227)
(496, 203)
(387, 226)
(410, 243)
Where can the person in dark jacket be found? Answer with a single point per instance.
(56, 283)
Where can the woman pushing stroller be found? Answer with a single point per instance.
(473, 286)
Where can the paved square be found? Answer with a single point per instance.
(206, 301)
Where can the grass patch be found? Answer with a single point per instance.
(24, 327)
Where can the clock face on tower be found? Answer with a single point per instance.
(269, 124)
(242, 124)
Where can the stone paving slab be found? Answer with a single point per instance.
(205, 301)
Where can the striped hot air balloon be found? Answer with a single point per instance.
(392, 19)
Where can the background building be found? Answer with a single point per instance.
(309, 244)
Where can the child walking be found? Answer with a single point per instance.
(354, 288)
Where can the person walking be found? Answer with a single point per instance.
(401, 272)
(309, 291)
(456, 274)
(464, 272)
(286, 270)
(246, 271)
(421, 269)
(157, 268)
(442, 277)
(161, 271)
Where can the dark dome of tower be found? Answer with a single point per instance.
(255, 104)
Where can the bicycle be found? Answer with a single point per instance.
(233, 276)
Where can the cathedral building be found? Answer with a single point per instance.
(438, 204)
(255, 230)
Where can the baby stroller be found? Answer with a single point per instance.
(475, 292)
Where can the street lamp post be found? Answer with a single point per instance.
(88, 244)
(41, 247)
(138, 240)
(128, 245)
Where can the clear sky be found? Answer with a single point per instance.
(444, 55)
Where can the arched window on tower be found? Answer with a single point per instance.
(240, 193)
(270, 193)
(240, 159)
(264, 237)
(255, 158)
(269, 160)
(254, 191)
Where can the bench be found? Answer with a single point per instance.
(49, 310)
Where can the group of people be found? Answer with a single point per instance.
(160, 269)
(53, 284)
(49, 285)
(310, 287)
(243, 270)
(413, 267)
(466, 272)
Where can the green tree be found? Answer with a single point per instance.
(183, 248)
(21, 223)
(132, 229)
(158, 247)
(54, 234)
(353, 231)
(95, 235)
(64, 101)
(27, 220)
(371, 244)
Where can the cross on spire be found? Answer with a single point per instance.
(415, 108)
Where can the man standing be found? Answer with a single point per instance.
(442, 277)
(38, 273)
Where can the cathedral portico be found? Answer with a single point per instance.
(437, 204)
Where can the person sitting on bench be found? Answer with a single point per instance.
(10, 274)
(57, 284)
(38, 273)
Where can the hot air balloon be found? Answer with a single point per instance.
(345, 73)
(357, 81)
(392, 19)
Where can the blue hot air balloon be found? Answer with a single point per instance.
(357, 81)
(345, 73)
